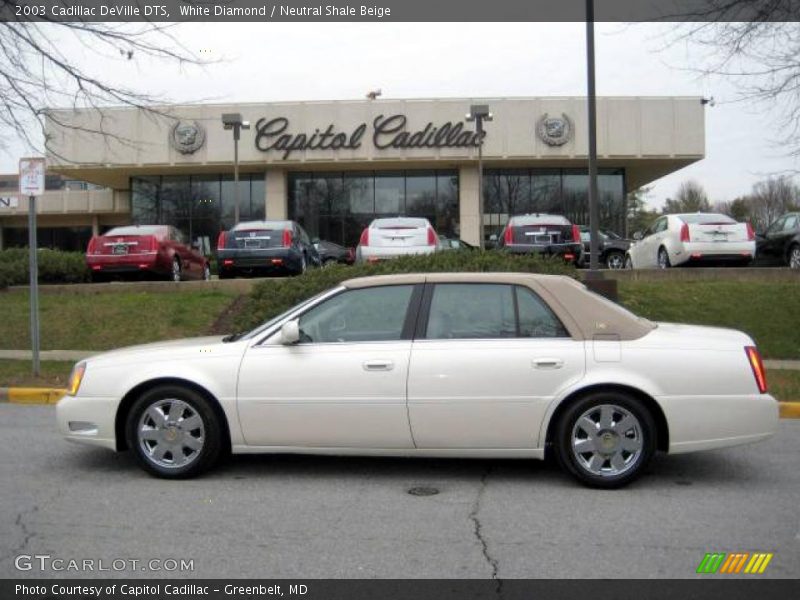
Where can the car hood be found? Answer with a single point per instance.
(157, 350)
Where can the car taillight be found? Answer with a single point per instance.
(576, 233)
(364, 241)
(287, 238)
(508, 236)
(431, 237)
(685, 232)
(751, 235)
(221, 240)
(758, 368)
(92, 245)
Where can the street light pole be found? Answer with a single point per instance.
(33, 289)
(234, 121)
(480, 113)
(594, 215)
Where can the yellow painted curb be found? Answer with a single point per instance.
(789, 410)
(20, 395)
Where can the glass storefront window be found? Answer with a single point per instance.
(338, 206)
(200, 206)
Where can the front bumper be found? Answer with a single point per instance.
(712, 422)
(88, 420)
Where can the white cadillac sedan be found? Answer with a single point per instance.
(469, 365)
(693, 238)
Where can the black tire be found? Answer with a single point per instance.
(793, 256)
(564, 432)
(663, 258)
(303, 265)
(176, 274)
(210, 450)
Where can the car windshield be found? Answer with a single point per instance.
(273, 321)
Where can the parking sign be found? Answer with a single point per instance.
(31, 176)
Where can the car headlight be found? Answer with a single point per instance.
(75, 378)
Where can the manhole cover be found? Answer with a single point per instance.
(423, 491)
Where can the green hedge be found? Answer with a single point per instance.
(270, 298)
(55, 266)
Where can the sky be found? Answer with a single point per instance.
(262, 62)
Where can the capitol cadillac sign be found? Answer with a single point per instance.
(386, 132)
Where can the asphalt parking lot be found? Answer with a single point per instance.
(294, 516)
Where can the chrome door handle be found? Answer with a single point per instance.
(378, 365)
(547, 363)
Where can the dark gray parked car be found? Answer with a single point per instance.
(265, 248)
(612, 249)
(780, 243)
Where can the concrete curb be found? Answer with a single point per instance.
(21, 395)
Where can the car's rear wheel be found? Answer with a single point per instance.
(303, 265)
(173, 432)
(663, 258)
(615, 260)
(175, 274)
(605, 439)
(794, 257)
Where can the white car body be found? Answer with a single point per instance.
(693, 237)
(388, 238)
(436, 397)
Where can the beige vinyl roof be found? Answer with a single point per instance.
(585, 314)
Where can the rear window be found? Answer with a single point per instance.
(707, 219)
(137, 230)
(400, 224)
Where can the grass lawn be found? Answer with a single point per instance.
(768, 311)
(105, 321)
(783, 384)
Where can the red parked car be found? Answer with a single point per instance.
(145, 250)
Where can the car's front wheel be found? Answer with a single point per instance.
(615, 260)
(605, 439)
(174, 432)
(175, 274)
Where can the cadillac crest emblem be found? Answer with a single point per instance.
(554, 131)
(187, 136)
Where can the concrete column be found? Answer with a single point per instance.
(468, 204)
(95, 225)
(277, 200)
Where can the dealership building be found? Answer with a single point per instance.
(334, 166)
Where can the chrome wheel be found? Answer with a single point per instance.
(170, 433)
(176, 269)
(794, 257)
(663, 259)
(206, 273)
(607, 440)
(615, 261)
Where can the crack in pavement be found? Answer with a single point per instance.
(477, 528)
(27, 533)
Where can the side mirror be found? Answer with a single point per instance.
(290, 333)
(637, 235)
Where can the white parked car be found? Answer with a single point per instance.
(469, 365)
(674, 240)
(396, 236)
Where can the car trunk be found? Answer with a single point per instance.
(718, 231)
(257, 239)
(398, 236)
(542, 234)
(122, 245)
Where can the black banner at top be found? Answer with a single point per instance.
(397, 10)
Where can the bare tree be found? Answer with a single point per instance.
(37, 73)
(771, 198)
(755, 44)
(691, 197)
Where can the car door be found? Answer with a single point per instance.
(787, 233)
(189, 260)
(647, 254)
(485, 366)
(343, 385)
(770, 247)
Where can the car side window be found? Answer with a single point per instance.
(536, 320)
(777, 226)
(471, 310)
(303, 235)
(790, 224)
(367, 315)
(660, 225)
